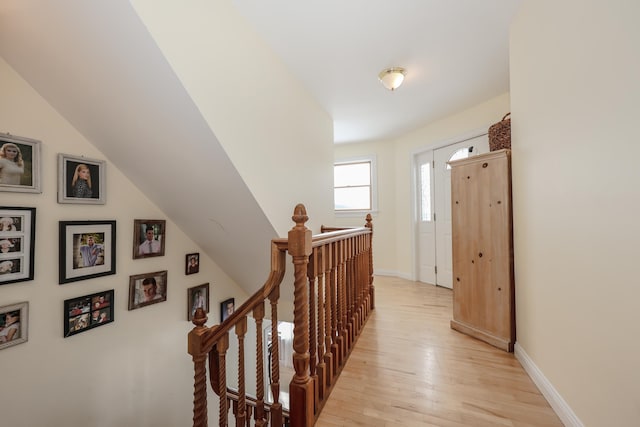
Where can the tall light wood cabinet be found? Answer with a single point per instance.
(481, 221)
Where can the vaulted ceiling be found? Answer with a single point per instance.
(97, 64)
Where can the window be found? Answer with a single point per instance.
(425, 191)
(354, 185)
(462, 153)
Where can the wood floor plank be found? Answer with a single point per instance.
(409, 368)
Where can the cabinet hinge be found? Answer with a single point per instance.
(436, 269)
(434, 216)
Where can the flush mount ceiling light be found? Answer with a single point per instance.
(392, 78)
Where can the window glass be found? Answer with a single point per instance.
(425, 189)
(352, 186)
(462, 153)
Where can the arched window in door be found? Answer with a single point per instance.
(462, 153)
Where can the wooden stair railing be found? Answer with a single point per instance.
(333, 298)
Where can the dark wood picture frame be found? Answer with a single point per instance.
(192, 263)
(87, 250)
(142, 246)
(197, 297)
(72, 188)
(17, 244)
(27, 160)
(147, 289)
(88, 312)
(227, 307)
(16, 332)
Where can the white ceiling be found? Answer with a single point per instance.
(455, 53)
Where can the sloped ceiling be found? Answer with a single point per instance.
(95, 63)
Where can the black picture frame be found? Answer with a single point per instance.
(87, 250)
(14, 321)
(227, 307)
(140, 238)
(197, 297)
(139, 286)
(71, 187)
(192, 263)
(17, 244)
(28, 160)
(87, 312)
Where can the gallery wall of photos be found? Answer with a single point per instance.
(86, 249)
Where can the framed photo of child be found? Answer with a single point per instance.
(81, 180)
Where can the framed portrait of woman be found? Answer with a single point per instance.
(20, 166)
(81, 180)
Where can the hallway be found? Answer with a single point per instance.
(409, 368)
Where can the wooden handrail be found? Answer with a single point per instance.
(333, 297)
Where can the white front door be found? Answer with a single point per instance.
(442, 201)
(425, 224)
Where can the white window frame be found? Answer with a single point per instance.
(371, 159)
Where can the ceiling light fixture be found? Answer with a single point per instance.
(392, 78)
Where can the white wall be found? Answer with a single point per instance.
(393, 228)
(134, 371)
(262, 116)
(575, 96)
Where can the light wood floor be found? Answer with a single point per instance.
(409, 368)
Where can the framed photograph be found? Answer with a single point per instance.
(192, 263)
(81, 180)
(88, 312)
(87, 250)
(148, 238)
(19, 164)
(227, 307)
(14, 324)
(197, 297)
(17, 244)
(146, 289)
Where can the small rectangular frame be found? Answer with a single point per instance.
(73, 188)
(18, 331)
(87, 250)
(17, 244)
(88, 312)
(23, 176)
(197, 297)
(227, 307)
(142, 246)
(192, 263)
(141, 293)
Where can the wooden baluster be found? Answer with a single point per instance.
(241, 330)
(276, 406)
(352, 287)
(249, 413)
(312, 268)
(301, 386)
(335, 316)
(369, 225)
(321, 369)
(258, 315)
(199, 356)
(328, 356)
(360, 277)
(221, 349)
(342, 302)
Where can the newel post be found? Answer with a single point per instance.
(195, 348)
(372, 289)
(301, 387)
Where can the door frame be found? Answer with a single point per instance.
(415, 264)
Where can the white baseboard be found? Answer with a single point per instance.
(392, 274)
(561, 408)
